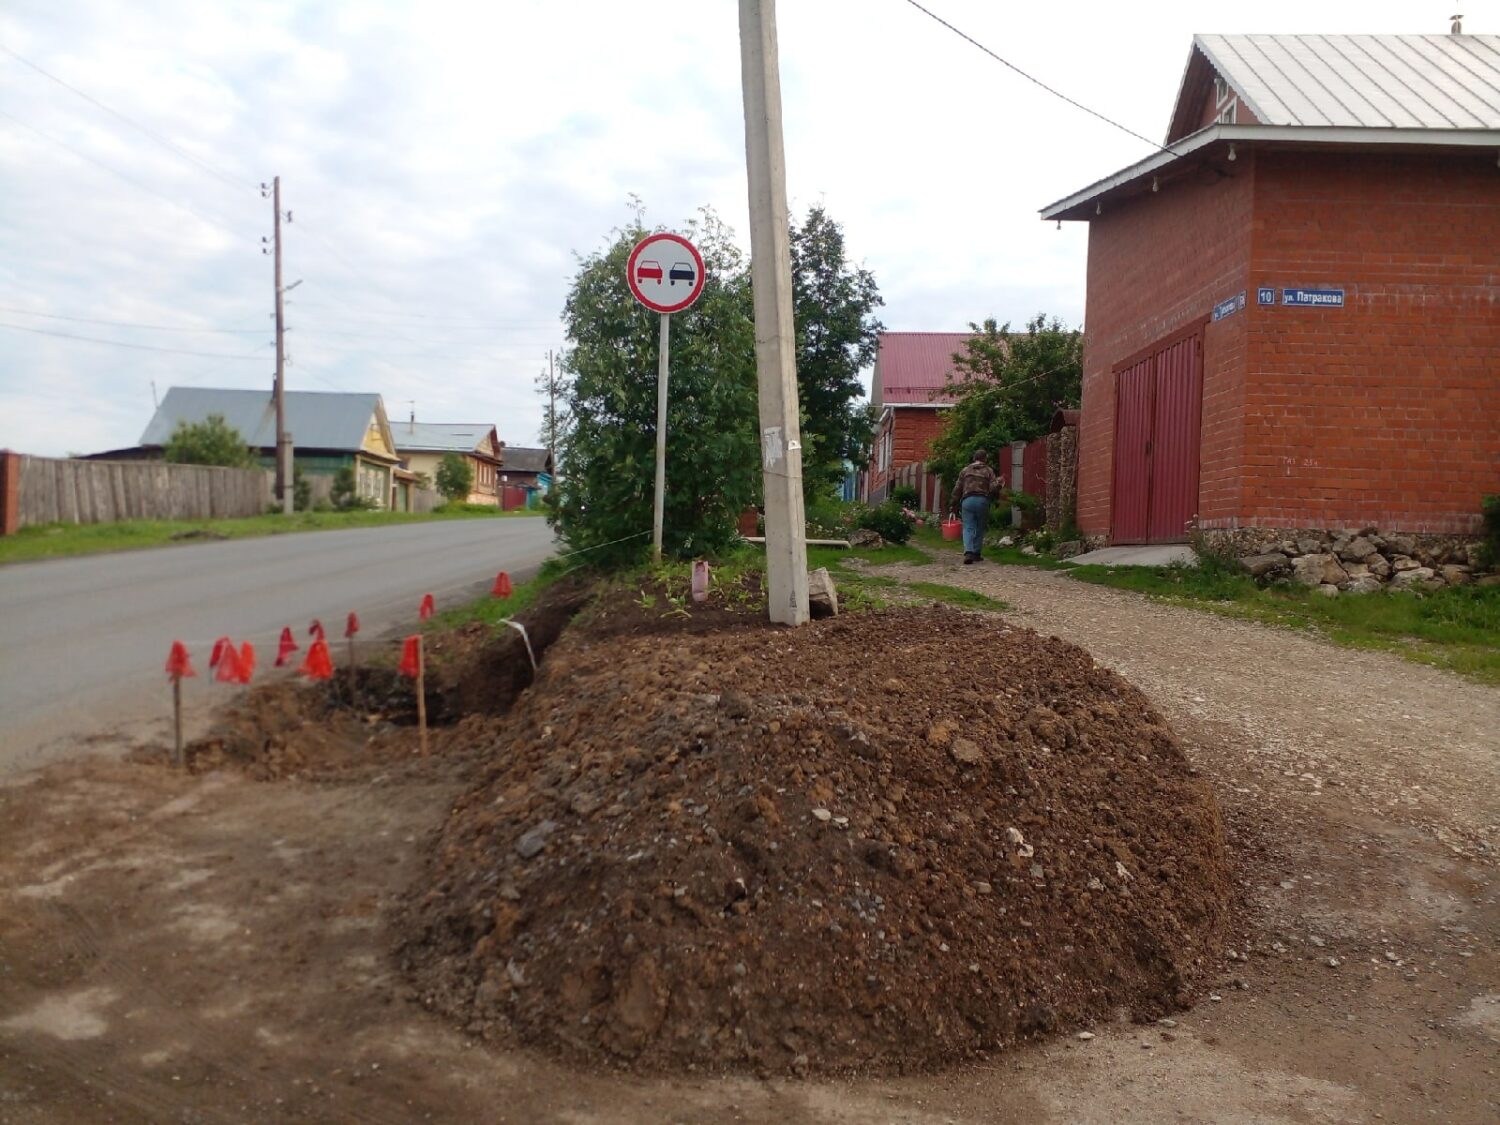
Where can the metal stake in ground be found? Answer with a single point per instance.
(657, 265)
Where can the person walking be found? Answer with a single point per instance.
(977, 485)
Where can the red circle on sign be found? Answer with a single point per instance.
(657, 272)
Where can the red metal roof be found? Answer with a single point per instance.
(911, 366)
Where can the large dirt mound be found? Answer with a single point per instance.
(882, 842)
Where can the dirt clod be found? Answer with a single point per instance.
(766, 857)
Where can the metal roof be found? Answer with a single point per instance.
(315, 419)
(524, 459)
(1371, 81)
(912, 368)
(446, 437)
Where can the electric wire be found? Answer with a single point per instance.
(123, 344)
(202, 165)
(129, 323)
(1037, 81)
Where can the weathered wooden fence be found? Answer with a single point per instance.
(65, 491)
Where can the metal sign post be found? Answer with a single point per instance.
(665, 273)
(659, 506)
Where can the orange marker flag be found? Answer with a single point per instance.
(427, 609)
(179, 666)
(247, 662)
(411, 660)
(352, 625)
(218, 654)
(316, 629)
(501, 589)
(285, 647)
(318, 665)
(228, 669)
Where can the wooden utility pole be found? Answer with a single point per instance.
(775, 341)
(284, 489)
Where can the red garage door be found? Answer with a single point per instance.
(1158, 407)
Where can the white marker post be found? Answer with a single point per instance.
(665, 273)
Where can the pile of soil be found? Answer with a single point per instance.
(877, 843)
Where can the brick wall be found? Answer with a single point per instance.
(1156, 263)
(1387, 411)
(912, 433)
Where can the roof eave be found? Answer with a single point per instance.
(1075, 206)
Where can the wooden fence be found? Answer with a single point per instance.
(63, 491)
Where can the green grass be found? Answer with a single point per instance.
(1453, 628)
(956, 595)
(492, 611)
(63, 540)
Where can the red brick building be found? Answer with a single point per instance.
(1293, 310)
(911, 373)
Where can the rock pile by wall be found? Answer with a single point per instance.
(1356, 562)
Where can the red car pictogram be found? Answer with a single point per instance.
(648, 269)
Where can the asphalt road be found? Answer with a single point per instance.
(83, 641)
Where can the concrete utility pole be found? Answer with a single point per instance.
(775, 341)
(284, 474)
(551, 415)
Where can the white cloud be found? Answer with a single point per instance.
(445, 160)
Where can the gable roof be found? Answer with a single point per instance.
(912, 368)
(443, 437)
(1348, 81)
(524, 459)
(315, 419)
(1374, 93)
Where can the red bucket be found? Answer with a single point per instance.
(953, 529)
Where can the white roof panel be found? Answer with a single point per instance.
(1373, 81)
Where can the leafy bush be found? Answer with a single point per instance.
(345, 493)
(905, 495)
(1489, 555)
(826, 517)
(888, 521)
(212, 441)
(455, 478)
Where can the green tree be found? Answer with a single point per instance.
(1007, 386)
(713, 468)
(455, 478)
(837, 334)
(212, 441)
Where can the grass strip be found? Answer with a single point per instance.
(1457, 628)
(68, 540)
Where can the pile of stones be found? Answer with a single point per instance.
(1362, 562)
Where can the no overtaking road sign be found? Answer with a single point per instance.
(665, 273)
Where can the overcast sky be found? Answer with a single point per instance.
(445, 160)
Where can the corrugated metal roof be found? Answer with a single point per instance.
(1373, 81)
(911, 366)
(315, 419)
(454, 437)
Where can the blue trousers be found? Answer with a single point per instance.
(975, 511)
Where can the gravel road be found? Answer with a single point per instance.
(1394, 737)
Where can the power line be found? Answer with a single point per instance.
(1036, 81)
(155, 136)
(123, 344)
(130, 323)
(48, 137)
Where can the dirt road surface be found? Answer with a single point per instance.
(212, 949)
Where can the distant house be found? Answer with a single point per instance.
(912, 370)
(1294, 307)
(330, 431)
(423, 445)
(527, 468)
